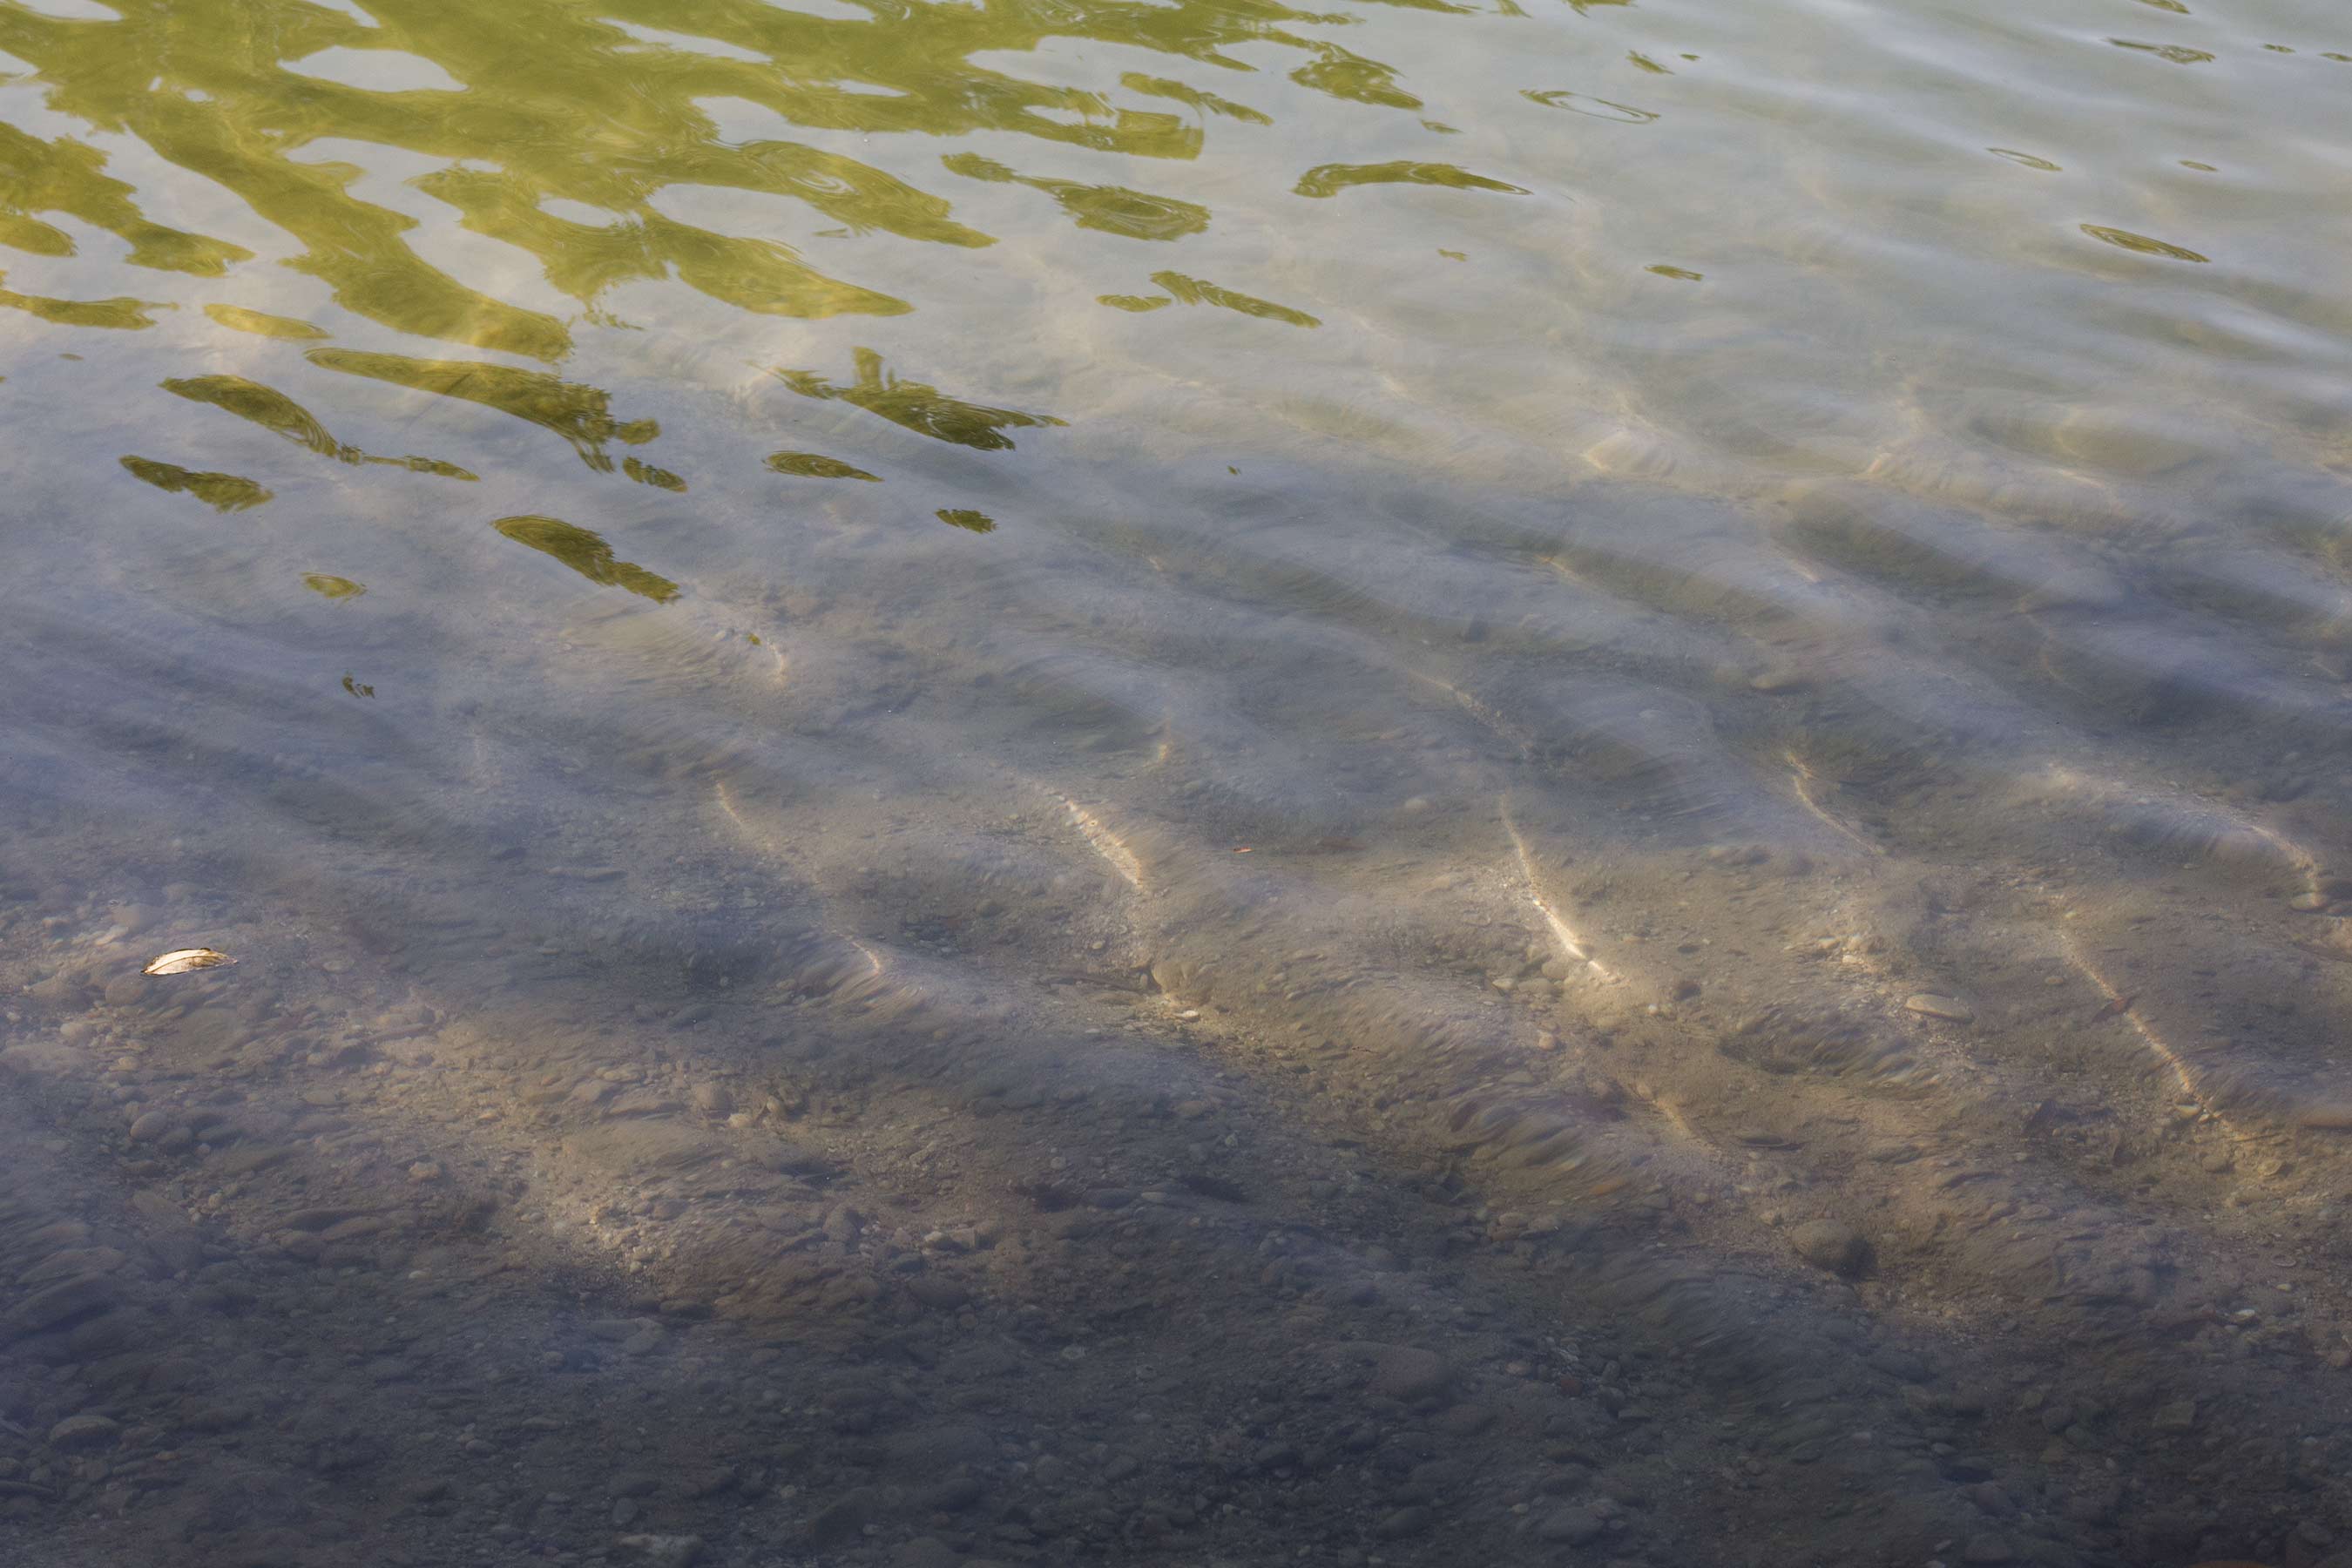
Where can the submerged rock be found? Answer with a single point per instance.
(1833, 1244)
(1951, 1009)
(662, 1551)
(87, 1430)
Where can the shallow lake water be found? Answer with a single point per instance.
(1653, 701)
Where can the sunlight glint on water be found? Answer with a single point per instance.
(1687, 577)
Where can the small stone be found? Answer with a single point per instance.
(151, 1126)
(1570, 1526)
(938, 1293)
(1210, 1184)
(127, 990)
(698, 1484)
(713, 1100)
(926, 1552)
(58, 1305)
(1403, 1522)
(663, 1551)
(612, 1331)
(2309, 903)
(951, 1496)
(1404, 1372)
(2180, 1416)
(86, 1430)
(215, 1417)
(2095, 1501)
(1465, 1420)
(72, 1262)
(1987, 1547)
(133, 918)
(846, 1517)
(248, 1159)
(1951, 1009)
(1831, 1244)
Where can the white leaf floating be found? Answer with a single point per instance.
(180, 961)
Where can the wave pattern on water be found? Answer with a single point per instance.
(1684, 679)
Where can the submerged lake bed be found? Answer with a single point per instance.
(851, 783)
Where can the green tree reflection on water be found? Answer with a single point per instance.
(592, 141)
(587, 554)
(471, 195)
(554, 101)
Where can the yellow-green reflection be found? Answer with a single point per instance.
(571, 137)
(2142, 242)
(645, 473)
(327, 585)
(584, 261)
(2178, 54)
(1197, 291)
(1345, 75)
(261, 324)
(581, 415)
(586, 553)
(810, 466)
(1331, 179)
(1207, 102)
(924, 409)
(1597, 108)
(64, 177)
(1114, 209)
(123, 314)
(970, 521)
(280, 415)
(222, 492)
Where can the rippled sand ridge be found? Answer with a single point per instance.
(1075, 782)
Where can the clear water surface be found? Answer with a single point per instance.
(1719, 576)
